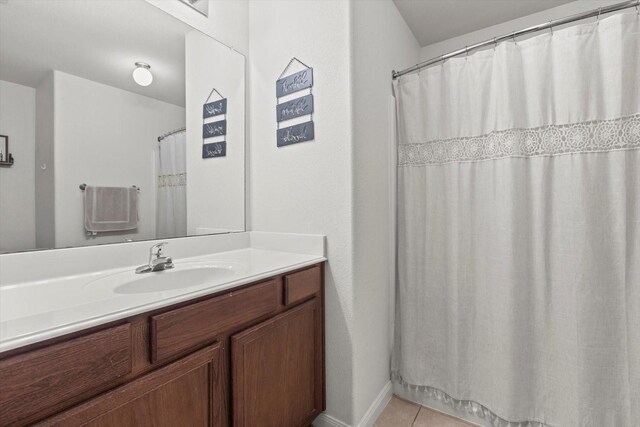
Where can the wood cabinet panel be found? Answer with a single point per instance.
(302, 285)
(277, 370)
(186, 328)
(40, 382)
(183, 393)
(182, 365)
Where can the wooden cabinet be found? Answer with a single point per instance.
(182, 329)
(251, 356)
(39, 382)
(277, 374)
(184, 393)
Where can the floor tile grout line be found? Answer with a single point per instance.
(416, 417)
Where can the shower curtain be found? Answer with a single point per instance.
(171, 208)
(518, 283)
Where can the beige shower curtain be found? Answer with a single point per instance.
(518, 294)
(171, 202)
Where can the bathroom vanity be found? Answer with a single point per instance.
(247, 355)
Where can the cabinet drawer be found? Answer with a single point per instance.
(302, 285)
(186, 328)
(183, 393)
(40, 382)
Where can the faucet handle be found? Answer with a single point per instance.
(157, 250)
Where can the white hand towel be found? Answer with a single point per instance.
(110, 208)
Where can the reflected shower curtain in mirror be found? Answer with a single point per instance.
(171, 212)
(518, 293)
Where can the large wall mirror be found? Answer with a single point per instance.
(96, 156)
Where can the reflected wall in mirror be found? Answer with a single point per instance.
(75, 115)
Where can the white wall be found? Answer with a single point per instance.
(17, 186)
(382, 42)
(227, 20)
(338, 184)
(307, 187)
(215, 189)
(44, 165)
(107, 137)
(568, 9)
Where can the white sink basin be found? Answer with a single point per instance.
(180, 277)
(176, 278)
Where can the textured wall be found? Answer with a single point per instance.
(382, 42)
(17, 202)
(307, 187)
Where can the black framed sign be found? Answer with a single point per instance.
(295, 82)
(214, 108)
(214, 149)
(209, 130)
(296, 133)
(294, 108)
(214, 126)
(4, 148)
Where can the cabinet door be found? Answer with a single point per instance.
(277, 370)
(184, 393)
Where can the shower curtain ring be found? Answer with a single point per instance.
(466, 52)
(495, 43)
(551, 27)
(599, 12)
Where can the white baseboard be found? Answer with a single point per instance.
(369, 418)
(325, 420)
(377, 406)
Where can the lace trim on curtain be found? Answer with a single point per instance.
(586, 137)
(460, 405)
(178, 180)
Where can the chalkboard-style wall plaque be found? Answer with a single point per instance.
(294, 83)
(215, 149)
(210, 130)
(295, 108)
(296, 133)
(214, 108)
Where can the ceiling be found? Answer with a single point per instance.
(433, 21)
(99, 41)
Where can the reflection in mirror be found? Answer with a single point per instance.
(103, 104)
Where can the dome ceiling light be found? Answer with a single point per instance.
(142, 74)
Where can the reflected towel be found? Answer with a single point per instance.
(110, 208)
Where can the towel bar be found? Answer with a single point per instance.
(83, 186)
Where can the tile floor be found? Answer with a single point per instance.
(400, 413)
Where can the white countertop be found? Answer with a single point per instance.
(42, 309)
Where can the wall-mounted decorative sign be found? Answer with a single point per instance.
(214, 108)
(295, 82)
(294, 108)
(214, 129)
(215, 149)
(6, 158)
(296, 133)
(210, 130)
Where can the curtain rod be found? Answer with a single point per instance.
(494, 41)
(160, 138)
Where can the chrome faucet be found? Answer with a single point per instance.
(159, 263)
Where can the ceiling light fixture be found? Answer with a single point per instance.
(142, 74)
